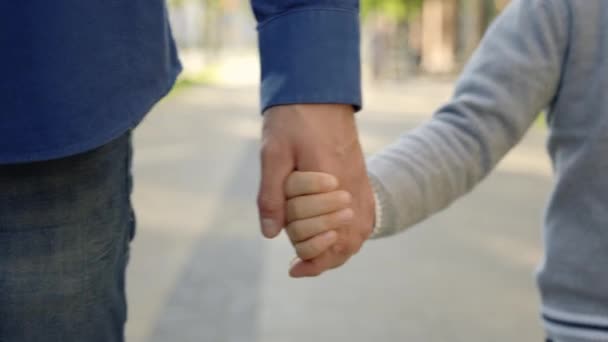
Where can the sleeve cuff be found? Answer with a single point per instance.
(385, 221)
(311, 56)
(378, 214)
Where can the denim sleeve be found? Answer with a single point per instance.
(309, 51)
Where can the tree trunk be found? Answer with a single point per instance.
(439, 36)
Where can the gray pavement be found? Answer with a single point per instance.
(201, 272)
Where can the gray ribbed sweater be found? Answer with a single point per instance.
(538, 54)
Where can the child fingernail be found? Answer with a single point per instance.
(345, 215)
(330, 235)
(345, 197)
(331, 182)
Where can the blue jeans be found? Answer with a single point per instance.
(65, 229)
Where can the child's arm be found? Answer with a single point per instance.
(514, 75)
(315, 210)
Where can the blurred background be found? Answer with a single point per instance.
(200, 270)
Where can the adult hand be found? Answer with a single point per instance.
(320, 138)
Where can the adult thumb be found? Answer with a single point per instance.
(277, 163)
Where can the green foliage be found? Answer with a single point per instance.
(396, 9)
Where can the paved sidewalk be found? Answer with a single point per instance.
(201, 272)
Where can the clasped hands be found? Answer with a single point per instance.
(314, 185)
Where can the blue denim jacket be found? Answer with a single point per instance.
(77, 74)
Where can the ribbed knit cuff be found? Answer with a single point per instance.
(384, 225)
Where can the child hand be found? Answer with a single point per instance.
(315, 209)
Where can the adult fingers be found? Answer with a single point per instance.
(317, 266)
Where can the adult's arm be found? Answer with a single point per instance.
(311, 87)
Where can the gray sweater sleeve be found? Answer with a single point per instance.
(513, 76)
